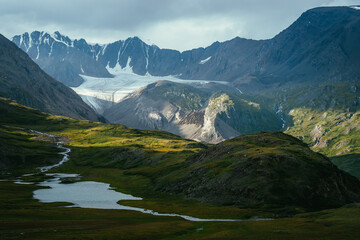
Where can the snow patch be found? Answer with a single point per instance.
(38, 45)
(29, 43)
(147, 57)
(38, 52)
(101, 51)
(205, 60)
(355, 7)
(51, 48)
(127, 68)
(104, 49)
(118, 69)
(21, 40)
(239, 91)
(122, 50)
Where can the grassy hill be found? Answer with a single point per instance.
(265, 170)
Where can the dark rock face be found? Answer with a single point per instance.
(22, 80)
(266, 170)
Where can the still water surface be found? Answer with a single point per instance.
(89, 194)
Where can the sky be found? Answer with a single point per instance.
(173, 24)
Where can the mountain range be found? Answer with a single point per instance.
(321, 45)
(305, 66)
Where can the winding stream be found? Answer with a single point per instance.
(90, 194)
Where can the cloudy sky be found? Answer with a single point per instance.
(175, 24)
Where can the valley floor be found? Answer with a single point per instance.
(24, 218)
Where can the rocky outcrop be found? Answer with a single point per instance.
(214, 129)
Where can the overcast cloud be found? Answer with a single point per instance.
(175, 24)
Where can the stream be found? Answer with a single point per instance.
(90, 194)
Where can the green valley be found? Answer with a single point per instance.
(133, 161)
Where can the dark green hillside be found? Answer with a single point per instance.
(19, 148)
(266, 170)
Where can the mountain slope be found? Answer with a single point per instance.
(193, 112)
(22, 80)
(325, 116)
(319, 46)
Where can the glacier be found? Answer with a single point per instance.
(124, 81)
